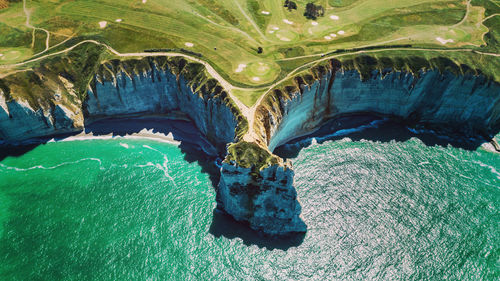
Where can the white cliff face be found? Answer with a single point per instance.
(266, 200)
(18, 121)
(153, 92)
(266, 197)
(160, 92)
(468, 103)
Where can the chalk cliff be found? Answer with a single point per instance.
(466, 103)
(119, 88)
(64, 94)
(257, 187)
(161, 86)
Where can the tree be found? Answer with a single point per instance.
(290, 5)
(313, 11)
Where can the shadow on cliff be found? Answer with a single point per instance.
(373, 128)
(224, 225)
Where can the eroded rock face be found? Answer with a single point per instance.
(19, 121)
(255, 186)
(469, 104)
(160, 92)
(265, 199)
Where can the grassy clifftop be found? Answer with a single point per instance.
(228, 33)
(251, 155)
(67, 75)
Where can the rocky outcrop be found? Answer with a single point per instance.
(257, 187)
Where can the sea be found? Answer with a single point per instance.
(377, 207)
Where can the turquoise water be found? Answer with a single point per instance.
(137, 210)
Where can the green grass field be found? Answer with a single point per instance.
(228, 32)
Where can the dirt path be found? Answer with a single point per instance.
(248, 112)
(28, 24)
(372, 45)
(467, 11)
(489, 17)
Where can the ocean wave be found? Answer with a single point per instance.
(124, 145)
(51, 167)
(158, 137)
(343, 132)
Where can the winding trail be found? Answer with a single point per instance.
(467, 11)
(489, 17)
(317, 55)
(28, 24)
(248, 112)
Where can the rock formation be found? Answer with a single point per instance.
(255, 185)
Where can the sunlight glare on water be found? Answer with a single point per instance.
(138, 210)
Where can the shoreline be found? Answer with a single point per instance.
(175, 130)
(144, 134)
(377, 128)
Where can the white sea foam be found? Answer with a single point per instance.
(142, 135)
(124, 145)
(51, 167)
(344, 132)
(491, 168)
(163, 167)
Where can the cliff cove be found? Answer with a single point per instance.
(256, 186)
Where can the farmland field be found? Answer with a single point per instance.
(228, 33)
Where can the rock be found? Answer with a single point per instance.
(266, 199)
(255, 185)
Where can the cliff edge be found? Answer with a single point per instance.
(63, 95)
